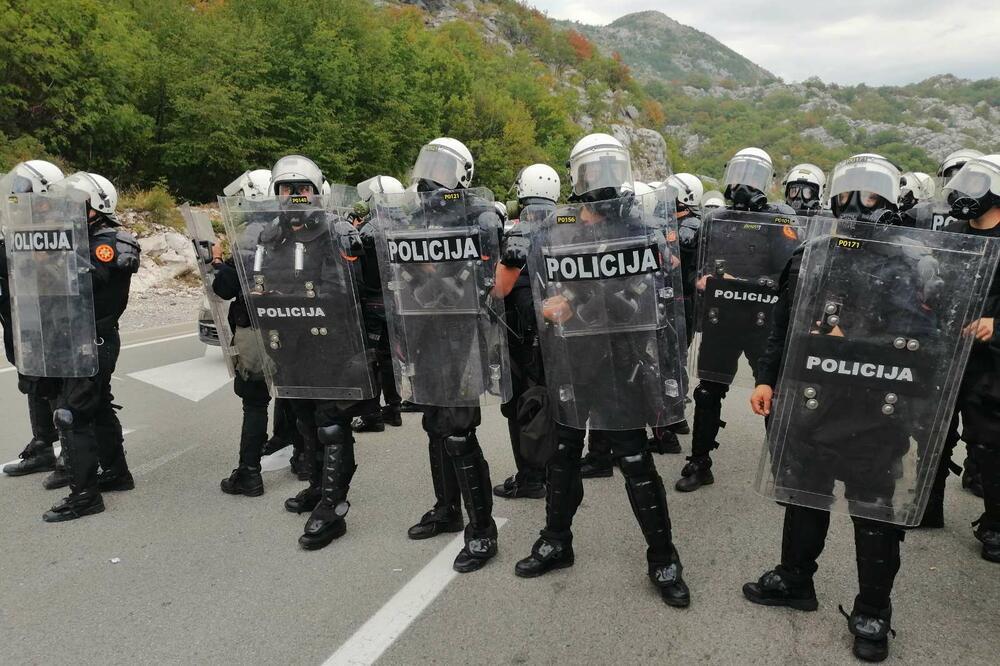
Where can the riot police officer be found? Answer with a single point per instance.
(935, 213)
(439, 320)
(804, 186)
(748, 176)
(249, 382)
(38, 455)
(609, 380)
(974, 196)
(843, 435)
(370, 283)
(914, 187)
(537, 188)
(84, 411)
(294, 258)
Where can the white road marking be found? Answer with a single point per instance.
(278, 460)
(156, 342)
(131, 346)
(148, 467)
(194, 379)
(384, 627)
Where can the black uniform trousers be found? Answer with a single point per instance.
(458, 468)
(86, 417)
(642, 483)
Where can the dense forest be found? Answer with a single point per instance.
(186, 94)
(189, 94)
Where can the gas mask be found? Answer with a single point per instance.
(299, 210)
(965, 207)
(802, 196)
(864, 207)
(748, 198)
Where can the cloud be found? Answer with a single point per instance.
(845, 41)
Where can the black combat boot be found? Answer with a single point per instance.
(782, 587)
(648, 499)
(663, 441)
(446, 516)
(473, 474)
(989, 535)
(391, 416)
(696, 473)
(597, 463)
(594, 467)
(60, 476)
(326, 522)
(871, 628)
(547, 554)
(80, 452)
(118, 481)
(408, 407)
(244, 481)
(369, 423)
(670, 581)
(514, 488)
(307, 498)
(36, 457)
(791, 583)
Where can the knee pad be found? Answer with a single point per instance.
(63, 418)
(637, 465)
(460, 445)
(333, 434)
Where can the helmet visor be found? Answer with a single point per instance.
(869, 175)
(803, 191)
(438, 166)
(601, 170)
(749, 170)
(975, 179)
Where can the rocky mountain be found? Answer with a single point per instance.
(709, 101)
(658, 48)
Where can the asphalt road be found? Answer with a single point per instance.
(177, 572)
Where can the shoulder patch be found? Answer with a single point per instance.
(104, 253)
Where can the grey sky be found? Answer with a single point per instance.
(845, 41)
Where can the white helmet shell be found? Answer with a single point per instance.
(599, 161)
(33, 176)
(752, 167)
(252, 185)
(957, 159)
(688, 187)
(538, 180)
(978, 177)
(805, 173)
(866, 172)
(367, 189)
(446, 162)
(102, 194)
(642, 190)
(296, 169)
(919, 183)
(713, 199)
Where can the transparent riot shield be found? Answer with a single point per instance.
(437, 254)
(52, 298)
(874, 356)
(199, 228)
(300, 289)
(606, 281)
(741, 256)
